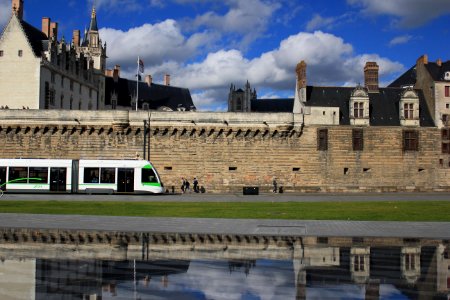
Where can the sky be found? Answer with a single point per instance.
(207, 45)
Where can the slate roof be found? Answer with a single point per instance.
(272, 105)
(383, 108)
(36, 38)
(156, 95)
(438, 72)
(409, 77)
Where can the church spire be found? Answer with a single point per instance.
(93, 26)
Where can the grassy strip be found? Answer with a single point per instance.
(367, 211)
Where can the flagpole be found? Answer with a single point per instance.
(137, 84)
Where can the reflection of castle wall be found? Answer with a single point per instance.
(443, 269)
(58, 279)
(360, 264)
(410, 263)
(17, 279)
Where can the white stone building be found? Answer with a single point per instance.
(39, 72)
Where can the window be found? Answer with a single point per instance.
(61, 104)
(358, 142)
(447, 91)
(322, 139)
(232, 168)
(1, 53)
(52, 77)
(18, 174)
(38, 175)
(238, 104)
(410, 261)
(91, 175)
(71, 103)
(20, 53)
(149, 176)
(108, 175)
(408, 111)
(445, 134)
(47, 96)
(410, 140)
(358, 110)
(358, 263)
(113, 104)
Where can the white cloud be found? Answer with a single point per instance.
(247, 18)
(403, 39)
(330, 61)
(155, 44)
(408, 13)
(318, 22)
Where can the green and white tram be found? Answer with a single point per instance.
(79, 176)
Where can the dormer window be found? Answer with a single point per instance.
(447, 75)
(409, 111)
(409, 108)
(359, 106)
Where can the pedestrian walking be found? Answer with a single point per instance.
(275, 185)
(183, 185)
(195, 182)
(187, 188)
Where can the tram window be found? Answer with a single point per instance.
(38, 175)
(18, 174)
(91, 175)
(149, 176)
(108, 175)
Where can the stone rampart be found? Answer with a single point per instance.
(227, 151)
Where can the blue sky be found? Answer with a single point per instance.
(205, 45)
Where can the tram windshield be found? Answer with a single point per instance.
(149, 176)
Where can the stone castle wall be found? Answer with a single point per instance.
(227, 151)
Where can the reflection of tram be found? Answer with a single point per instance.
(79, 176)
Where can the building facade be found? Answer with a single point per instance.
(57, 75)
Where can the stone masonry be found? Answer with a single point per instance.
(227, 151)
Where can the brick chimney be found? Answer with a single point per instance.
(423, 60)
(54, 30)
(17, 8)
(116, 73)
(149, 80)
(439, 62)
(76, 38)
(46, 26)
(371, 76)
(301, 74)
(167, 79)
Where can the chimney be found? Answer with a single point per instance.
(301, 74)
(149, 80)
(371, 76)
(46, 26)
(17, 8)
(167, 79)
(109, 73)
(439, 62)
(116, 73)
(423, 60)
(76, 38)
(54, 30)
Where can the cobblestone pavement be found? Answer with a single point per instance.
(437, 230)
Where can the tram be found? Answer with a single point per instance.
(79, 176)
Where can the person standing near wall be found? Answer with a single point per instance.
(275, 185)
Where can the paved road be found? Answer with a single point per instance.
(432, 230)
(287, 197)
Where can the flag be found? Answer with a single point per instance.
(141, 65)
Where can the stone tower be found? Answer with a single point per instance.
(241, 100)
(92, 48)
(371, 76)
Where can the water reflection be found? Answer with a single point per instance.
(316, 270)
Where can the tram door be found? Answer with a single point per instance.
(58, 177)
(3, 178)
(125, 182)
